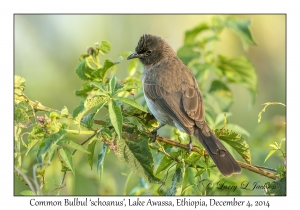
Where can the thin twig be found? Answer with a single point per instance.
(35, 178)
(267, 168)
(26, 179)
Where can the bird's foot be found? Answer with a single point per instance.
(190, 145)
(154, 134)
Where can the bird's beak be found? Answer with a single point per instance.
(133, 55)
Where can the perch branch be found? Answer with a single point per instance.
(198, 150)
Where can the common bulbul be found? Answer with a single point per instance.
(173, 97)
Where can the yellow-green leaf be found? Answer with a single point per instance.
(270, 154)
(116, 117)
(66, 155)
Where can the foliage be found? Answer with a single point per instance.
(277, 187)
(126, 126)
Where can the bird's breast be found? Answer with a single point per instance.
(158, 113)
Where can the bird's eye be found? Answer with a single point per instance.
(149, 52)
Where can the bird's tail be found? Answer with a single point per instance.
(222, 158)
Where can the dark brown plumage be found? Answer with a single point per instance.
(173, 96)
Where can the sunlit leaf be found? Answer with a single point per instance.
(239, 26)
(130, 102)
(176, 182)
(112, 84)
(104, 47)
(84, 107)
(134, 150)
(190, 35)
(222, 94)
(91, 149)
(83, 71)
(240, 70)
(101, 157)
(277, 187)
(163, 164)
(126, 88)
(27, 193)
(115, 116)
(186, 53)
(72, 144)
(66, 155)
(46, 144)
(270, 154)
(236, 141)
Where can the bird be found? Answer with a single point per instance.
(173, 96)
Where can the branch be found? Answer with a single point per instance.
(242, 164)
(25, 179)
(198, 150)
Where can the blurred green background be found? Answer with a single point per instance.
(47, 48)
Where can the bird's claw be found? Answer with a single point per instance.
(154, 134)
(190, 146)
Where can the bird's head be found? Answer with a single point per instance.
(150, 49)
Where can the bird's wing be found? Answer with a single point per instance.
(177, 93)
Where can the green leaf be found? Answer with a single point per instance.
(134, 150)
(101, 157)
(36, 135)
(19, 82)
(132, 67)
(116, 117)
(176, 182)
(21, 117)
(112, 84)
(99, 85)
(102, 72)
(51, 153)
(193, 158)
(66, 156)
(274, 146)
(270, 154)
(238, 26)
(47, 143)
(201, 68)
(92, 62)
(238, 129)
(130, 102)
(241, 28)
(83, 71)
(190, 35)
(125, 88)
(222, 94)
(201, 171)
(236, 141)
(186, 53)
(277, 187)
(27, 193)
(64, 112)
(88, 121)
(240, 70)
(86, 91)
(104, 47)
(19, 87)
(72, 144)
(86, 106)
(163, 164)
(91, 149)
